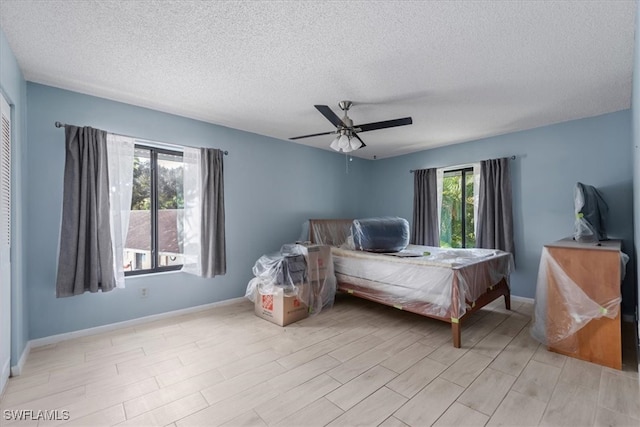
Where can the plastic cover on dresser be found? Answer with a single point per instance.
(573, 308)
(304, 271)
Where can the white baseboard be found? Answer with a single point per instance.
(4, 375)
(522, 299)
(39, 342)
(17, 369)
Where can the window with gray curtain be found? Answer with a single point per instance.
(85, 262)
(99, 167)
(426, 230)
(154, 239)
(495, 215)
(204, 221)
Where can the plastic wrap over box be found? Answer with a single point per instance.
(301, 271)
(279, 308)
(573, 307)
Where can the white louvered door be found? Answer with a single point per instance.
(5, 241)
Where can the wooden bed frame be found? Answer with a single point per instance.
(419, 307)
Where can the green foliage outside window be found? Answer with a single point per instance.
(170, 188)
(455, 210)
(141, 191)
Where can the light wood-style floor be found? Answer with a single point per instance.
(357, 364)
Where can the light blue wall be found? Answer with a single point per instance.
(550, 160)
(271, 187)
(14, 88)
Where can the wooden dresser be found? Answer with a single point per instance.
(595, 267)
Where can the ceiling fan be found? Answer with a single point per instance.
(347, 138)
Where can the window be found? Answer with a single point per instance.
(458, 211)
(155, 234)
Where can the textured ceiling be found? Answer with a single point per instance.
(462, 70)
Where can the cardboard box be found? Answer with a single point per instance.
(318, 260)
(280, 309)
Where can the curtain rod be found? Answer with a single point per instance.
(413, 170)
(61, 125)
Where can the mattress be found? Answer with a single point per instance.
(424, 274)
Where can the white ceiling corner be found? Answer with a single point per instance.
(462, 70)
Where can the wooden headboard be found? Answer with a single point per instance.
(333, 232)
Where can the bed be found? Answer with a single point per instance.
(443, 284)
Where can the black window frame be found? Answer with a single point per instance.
(464, 173)
(153, 156)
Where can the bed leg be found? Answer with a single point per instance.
(507, 301)
(455, 331)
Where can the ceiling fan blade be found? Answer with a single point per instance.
(315, 134)
(359, 139)
(385, 124)
(330, 115)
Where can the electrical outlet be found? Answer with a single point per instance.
(144, 292)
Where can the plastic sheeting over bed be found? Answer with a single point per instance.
(423, 274)
(445, 284)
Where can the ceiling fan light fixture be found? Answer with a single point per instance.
(334, 144)
(355, 144)
(346, 139)
(344, 143)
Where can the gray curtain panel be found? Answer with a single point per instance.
(495, 215)
(85, 262)
(214, 254)
(426, 230)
